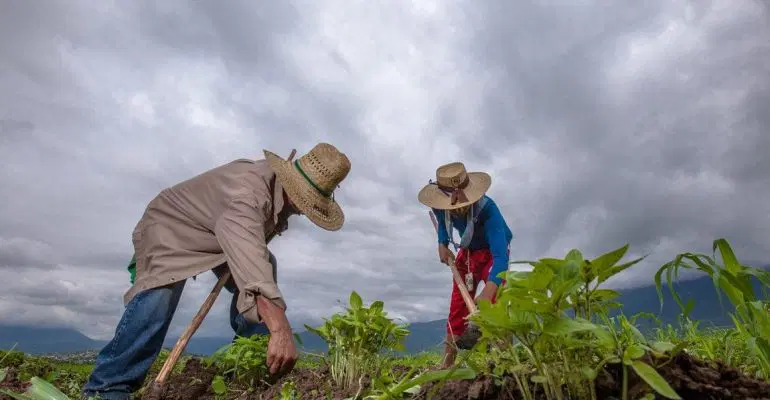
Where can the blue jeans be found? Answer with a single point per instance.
(122, 365)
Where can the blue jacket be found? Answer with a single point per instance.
(491, 232)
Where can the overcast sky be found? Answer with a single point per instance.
(605, 123)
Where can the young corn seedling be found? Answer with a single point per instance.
(356, 339)
(751, 315)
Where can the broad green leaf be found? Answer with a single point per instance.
(632, 352)
(42, 390)
(610, 272)
(430, 376)
(539, 379)
(604, 294)
(355, 300)
(653, 378)
(575, 255)
(663, 347)
(566, 326)
(604, 338)
(539, 278)
(218, 384)
(607, 260)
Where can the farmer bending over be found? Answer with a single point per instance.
(458, 199)
(218, 220)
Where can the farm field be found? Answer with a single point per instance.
(555, 333)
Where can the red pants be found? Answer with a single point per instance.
(480, 263)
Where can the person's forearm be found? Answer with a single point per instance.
(273, 316)
(489, 291)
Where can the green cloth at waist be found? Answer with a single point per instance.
(132, 268)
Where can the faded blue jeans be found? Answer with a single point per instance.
(122, 365)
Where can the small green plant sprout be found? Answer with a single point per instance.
(751, 315)
(244, 360)
(356, 338)
(624, 344)
(289, 391)
(387, 388)
(219, 386)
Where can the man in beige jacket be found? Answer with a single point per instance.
(216, 221)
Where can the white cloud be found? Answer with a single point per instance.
(600, 126)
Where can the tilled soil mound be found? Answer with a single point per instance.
(692, 379)
(194, 382)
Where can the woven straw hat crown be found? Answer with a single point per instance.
(310, 182)
(325, 167)
(455, 187)
(451, 175)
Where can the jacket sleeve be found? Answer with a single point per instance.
(240, 233)
(498, 242)
(443, 236)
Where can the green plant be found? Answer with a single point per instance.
(624, 344)
(289, 391)
(11, 358)
(385, 387)
(244, 359)
(38, 389)
(552, 313)
(751, 315)
(356, 339)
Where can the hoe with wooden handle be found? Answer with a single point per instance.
(157, 388)
(458, 279)
(472, 333)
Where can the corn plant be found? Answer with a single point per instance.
(751, 315)
(356, 339)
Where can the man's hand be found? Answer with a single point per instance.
(444, 255)
(281, 352)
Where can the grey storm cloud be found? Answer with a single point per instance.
(601, 124)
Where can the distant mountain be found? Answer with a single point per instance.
(40, 340)
(424, 336)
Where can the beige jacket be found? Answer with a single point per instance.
(221, 215)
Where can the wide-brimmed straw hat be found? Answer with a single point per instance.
(310, 182)
(454, 187)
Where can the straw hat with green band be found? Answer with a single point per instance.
(310, 182)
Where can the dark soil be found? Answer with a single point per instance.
(194, 382)
(692, 379)
(13, 384)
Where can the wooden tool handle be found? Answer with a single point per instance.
(456, 274)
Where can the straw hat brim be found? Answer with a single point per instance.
(321, 210)
(432, 196)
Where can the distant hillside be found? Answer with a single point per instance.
(424, 335)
